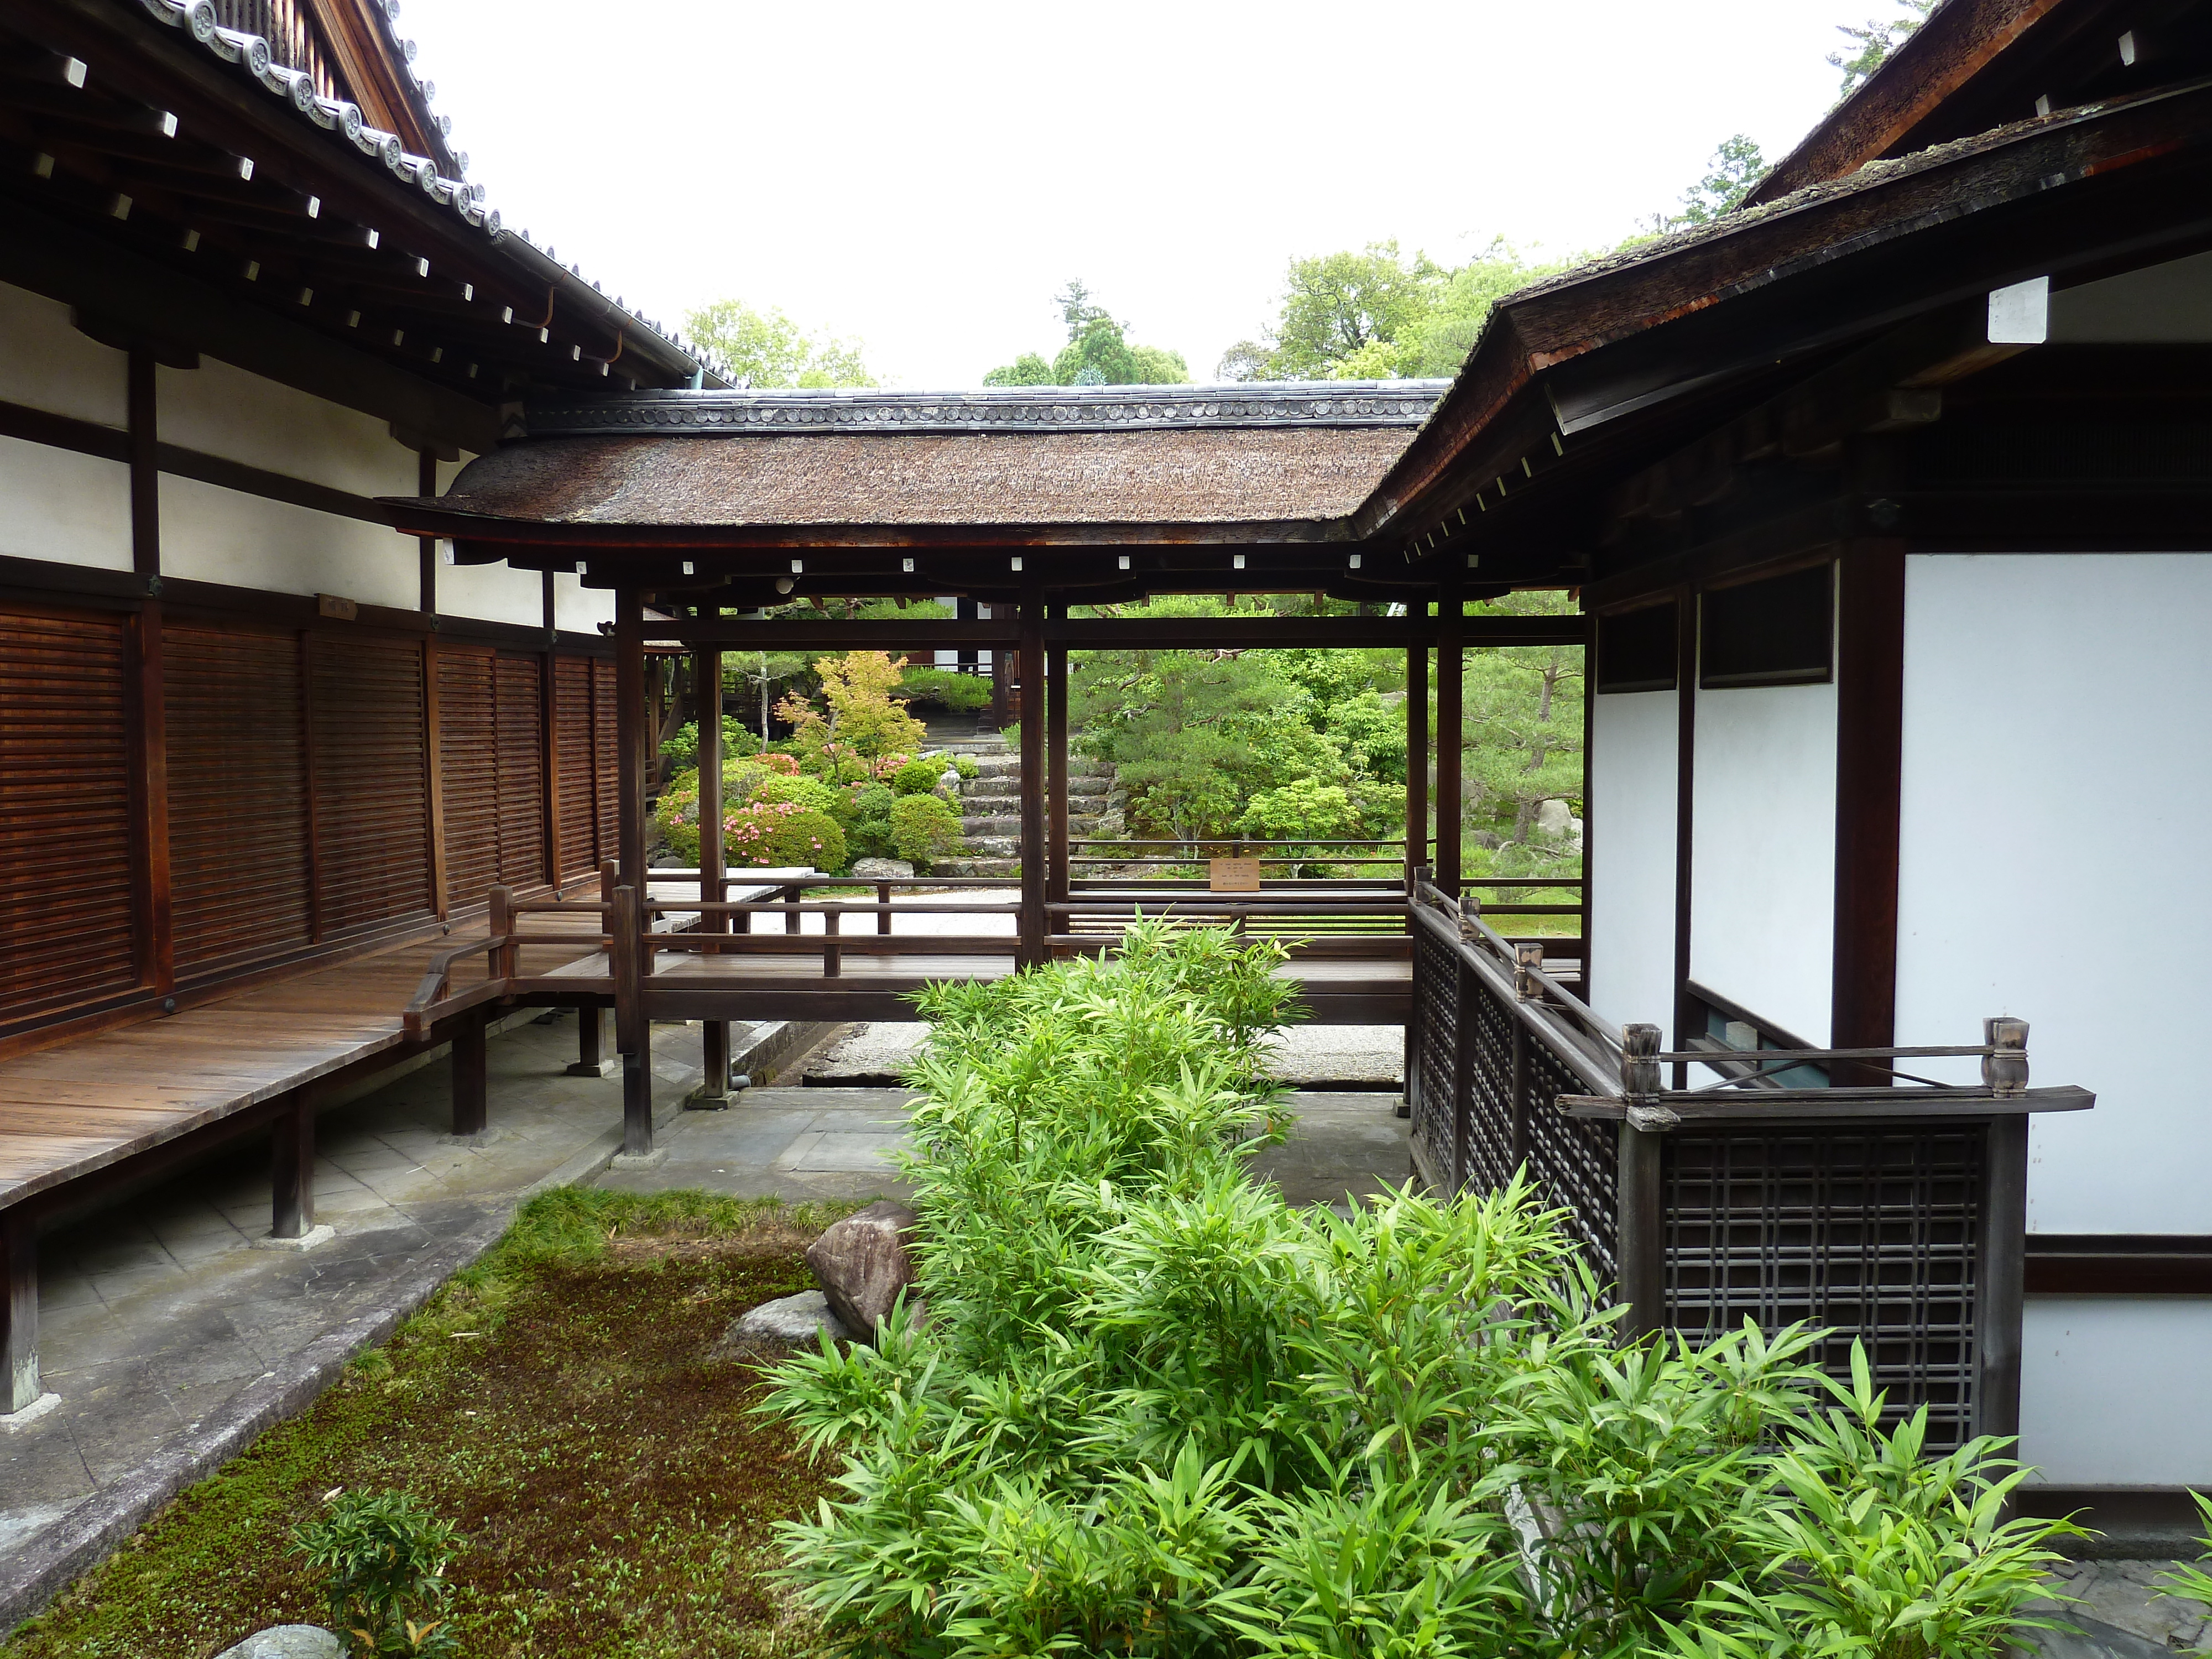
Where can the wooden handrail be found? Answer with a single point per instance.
(431, 990)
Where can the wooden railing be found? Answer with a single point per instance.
(1891, 1210)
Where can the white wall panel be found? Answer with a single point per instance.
(46, 363)
(57, 504)
(2057, 807)
(215, 535)
(581, 610)
(2112, 1389)
(490, 592)
(1763, 853)
(222, 411)
(1632, 774)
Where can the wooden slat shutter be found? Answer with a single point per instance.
(605, 774)
(372, 781)
(468, 773)
(572, 720)
(66, 885)
(237, 796)
(521, 750)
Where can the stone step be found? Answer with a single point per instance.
(1011, 824)
(974, 868)
(1079, 789)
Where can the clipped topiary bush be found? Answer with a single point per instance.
(923, 827)
(783, 835)
(677, 811)
(812, 793)
(918, 777)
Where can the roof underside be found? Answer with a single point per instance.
(1209, 476)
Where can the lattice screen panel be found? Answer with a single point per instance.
(1575, 1161)
(1437, 1017)
(1870, 1227)
(1490, 1105)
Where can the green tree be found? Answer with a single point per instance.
(1522, 737)
(1376, 314)
(1097, 353)
(1875, 40)
(1735, 166)
(765, 348)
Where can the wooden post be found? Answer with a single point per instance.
(1034, 952)
(632, 1031)
(291, 1169)
(499, 923)
(1451, 643)
(1055, 738)
(1686, 766)
(2002, 1272)
(629, 739)
(469, 1079)
(714, 1088)
(1417, 764)
(426, 547)
(19, 1310)
(1640, 1224)
(590, 1043)
(833, 960)
(156, 918)
(142, 445)
(998, 677)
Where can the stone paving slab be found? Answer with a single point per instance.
(1305, 1056)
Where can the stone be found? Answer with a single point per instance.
(322, 1233)
(2094, 1639)
(882, 870)
(286, 1641)
(1555, 820)
(862, 1263)
(785, 1322)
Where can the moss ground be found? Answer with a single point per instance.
(557, 1400)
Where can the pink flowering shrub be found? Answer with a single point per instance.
(782, 834)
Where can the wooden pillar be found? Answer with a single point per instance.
(19, 1310)
(630, 738)
(143, 449)
(1055, 738)
(1686, 771)
(590, 1043)
(998, 715)
(1417, 761)
(1869, 761)
(156, 925)
(469, 1082)
(291, 1169)
(1034, 952)
(714, 1034)
(426, 547)
(1640, 1221)
(633, 1029)
(2004, 1277)
(1451, 645)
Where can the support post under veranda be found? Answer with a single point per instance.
(714, 1089)
(632, 961)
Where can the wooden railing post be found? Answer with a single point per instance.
(499, 921)
(832, 958)
(1640, 1239)
(2003, 1266)
(884, 915)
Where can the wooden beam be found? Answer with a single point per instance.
(1117, 633)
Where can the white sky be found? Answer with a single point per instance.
(926, 175)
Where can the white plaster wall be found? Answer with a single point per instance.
(215, 535)
(1763, 852)
(57, 504)
(1632, 773)
(46, 363)
(578, 609)
(222, 411)
(491, 593)
(2112, 1389)
(2057, 808)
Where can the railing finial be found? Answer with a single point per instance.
(2005, 1071)
(1527, 964)
(1639, 1062)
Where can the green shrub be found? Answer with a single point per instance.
(383, 1560)
(1156, 1410)
(682, 749)
(867, 820)
(946, 688)
(967, 767)
(918, 777)
(924, 828)
(2187, 1582)
(783, 835)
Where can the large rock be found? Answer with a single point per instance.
(789, 1321)
(883, 870)
(863, 1265)
(286, 1641)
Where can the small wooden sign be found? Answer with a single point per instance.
(1232, 875)
(342, 609)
